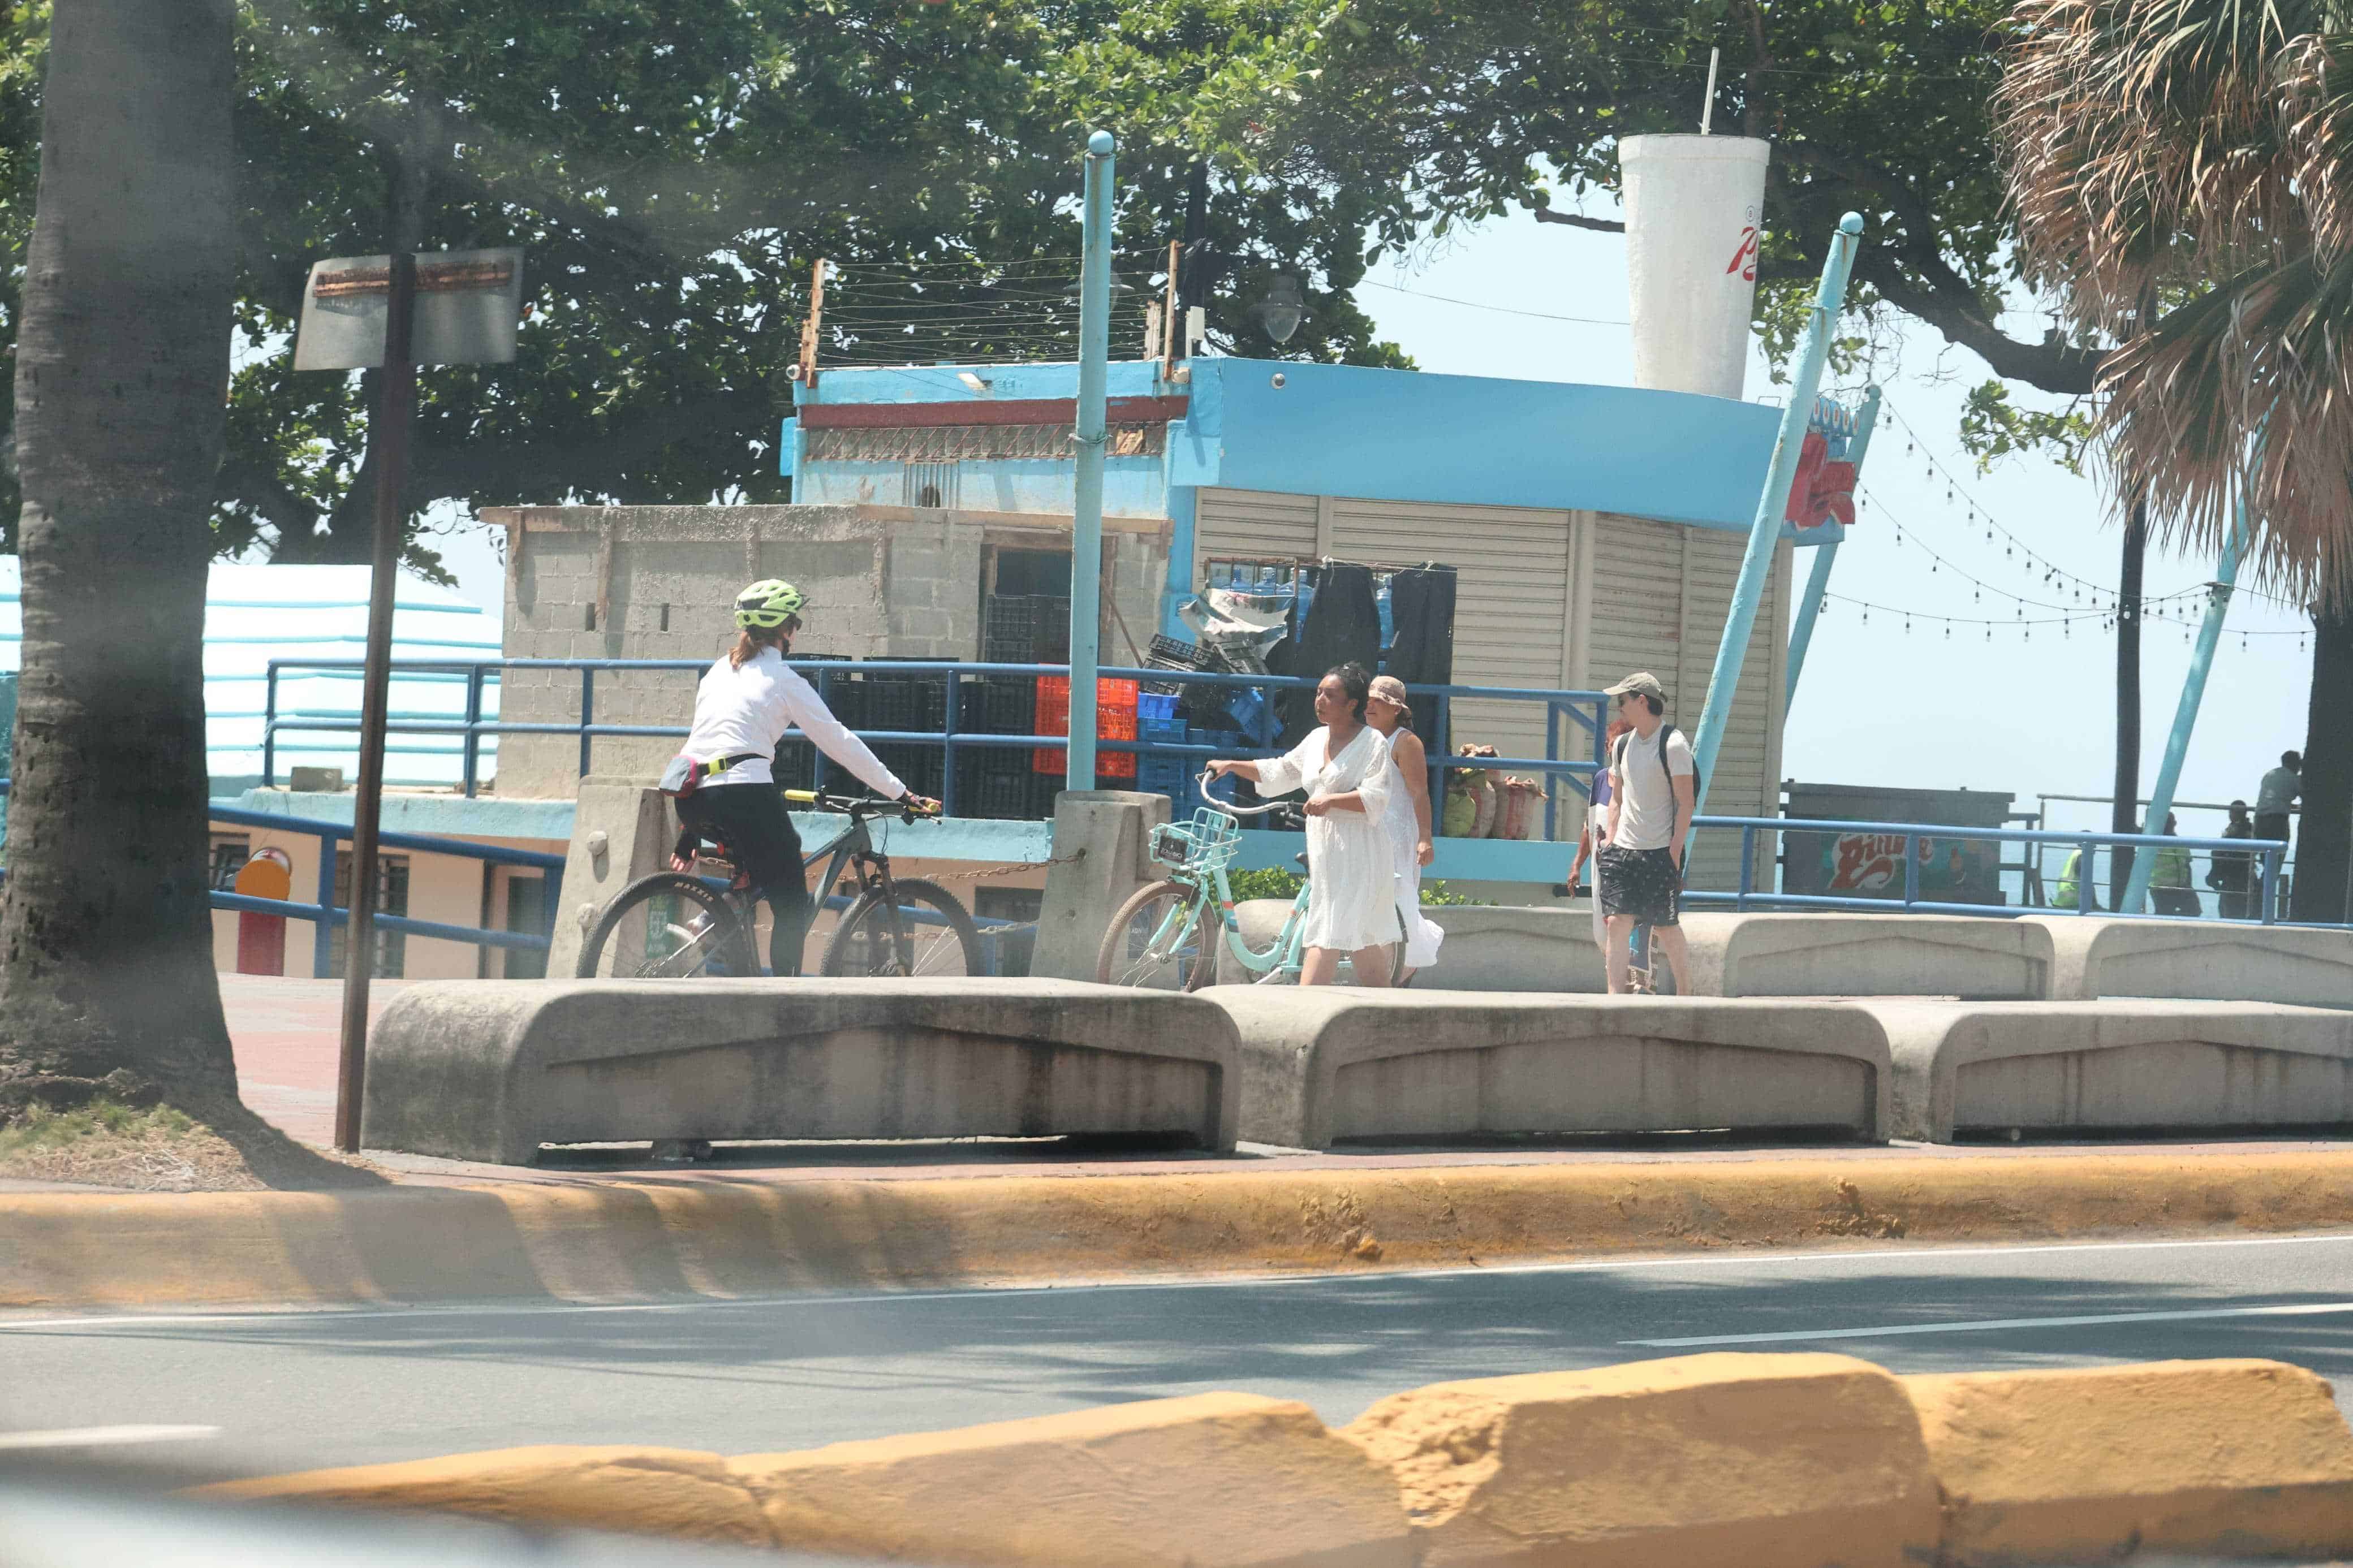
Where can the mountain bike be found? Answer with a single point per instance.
(1166, 937)
(675, 925)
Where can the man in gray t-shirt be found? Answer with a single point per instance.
(1652, 781)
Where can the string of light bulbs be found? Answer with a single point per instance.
(2024, 625)
(2014, 547)
(1939, 565)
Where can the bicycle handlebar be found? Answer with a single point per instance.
(1228, 807)
(855, 806)
(1288, 808)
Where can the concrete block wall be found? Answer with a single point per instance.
(660, 583)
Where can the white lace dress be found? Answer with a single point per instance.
(1403, 825)
(1351, 900)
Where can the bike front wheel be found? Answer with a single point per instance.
(1152, 946)
(667, 926)
(925, 931)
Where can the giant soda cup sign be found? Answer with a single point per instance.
(1693, 209)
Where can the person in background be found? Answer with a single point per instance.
(2231, 873)
(2070, 872)
(1407, 820)
(2280, 790)
(2168, 877)
(1344, 766)
(1597, 822)
(1653, 784)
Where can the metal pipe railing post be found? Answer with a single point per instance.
(473, 730)
(2272, 858)
(270, 727)
(322, 937)
(1911, 870)
(948, 748)
(2086, 856)
(1748, 867)
(587, 713)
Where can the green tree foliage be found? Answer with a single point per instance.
(1444, 112)
(674, 171)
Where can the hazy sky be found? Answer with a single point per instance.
(2024, 713)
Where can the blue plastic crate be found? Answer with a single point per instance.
(1152, 705)
(1246, 707)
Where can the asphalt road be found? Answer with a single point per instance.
(264, 1392)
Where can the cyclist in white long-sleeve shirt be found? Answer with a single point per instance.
(743, 707)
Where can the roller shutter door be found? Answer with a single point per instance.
(1250, 525)
(1745, 784)
(1510, 598)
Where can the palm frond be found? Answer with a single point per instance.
(2246, 391)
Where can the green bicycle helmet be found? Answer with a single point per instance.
(768, 603)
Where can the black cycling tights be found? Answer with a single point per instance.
(750, 819)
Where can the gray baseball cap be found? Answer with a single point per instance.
(1641, 682)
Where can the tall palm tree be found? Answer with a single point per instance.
(2183, 174)
(123, 362)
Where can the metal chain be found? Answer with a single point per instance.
(1074, 855)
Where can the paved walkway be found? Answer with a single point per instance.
(286, 1033)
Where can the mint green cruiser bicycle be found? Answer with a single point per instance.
(1167, 937)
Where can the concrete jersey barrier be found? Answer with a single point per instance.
(493, 1070)
(2126, 1063)
(2216, 960)
(1801, 953)
(1325, 1064)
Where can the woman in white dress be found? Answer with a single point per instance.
(1344, 768)
(1407, 820)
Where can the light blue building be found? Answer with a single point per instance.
(1594, 529)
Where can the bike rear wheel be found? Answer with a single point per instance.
(668, 926)
(925, 932)
(1147, 950)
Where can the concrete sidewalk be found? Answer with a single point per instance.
(286, 1035)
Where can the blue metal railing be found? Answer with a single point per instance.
(1748, 897)
(1587, 709)
(329, 916)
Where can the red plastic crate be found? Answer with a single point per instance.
(1114, 721)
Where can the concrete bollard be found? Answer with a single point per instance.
(1109, 832)
(621, 831)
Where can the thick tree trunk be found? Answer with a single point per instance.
(106, 961)
(2124, 817)
(2321, 832)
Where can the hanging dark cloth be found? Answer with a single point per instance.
(1343, 623)
(1421, 611)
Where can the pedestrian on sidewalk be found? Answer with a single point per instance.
(1408, 819)
(2168, 877)
(1652, 785)
(2231, 873)
(1344, 766)
(1589, 838)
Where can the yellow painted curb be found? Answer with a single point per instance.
(619, 1241)
(2245, 1459)
(640, 1492)
(1769, 1461)
(1225, 1478)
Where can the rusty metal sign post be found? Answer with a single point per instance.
(395, 313)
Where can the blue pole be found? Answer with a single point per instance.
(2185, 714)
(1765, 530)
(1086, 530)
(1818, 582)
